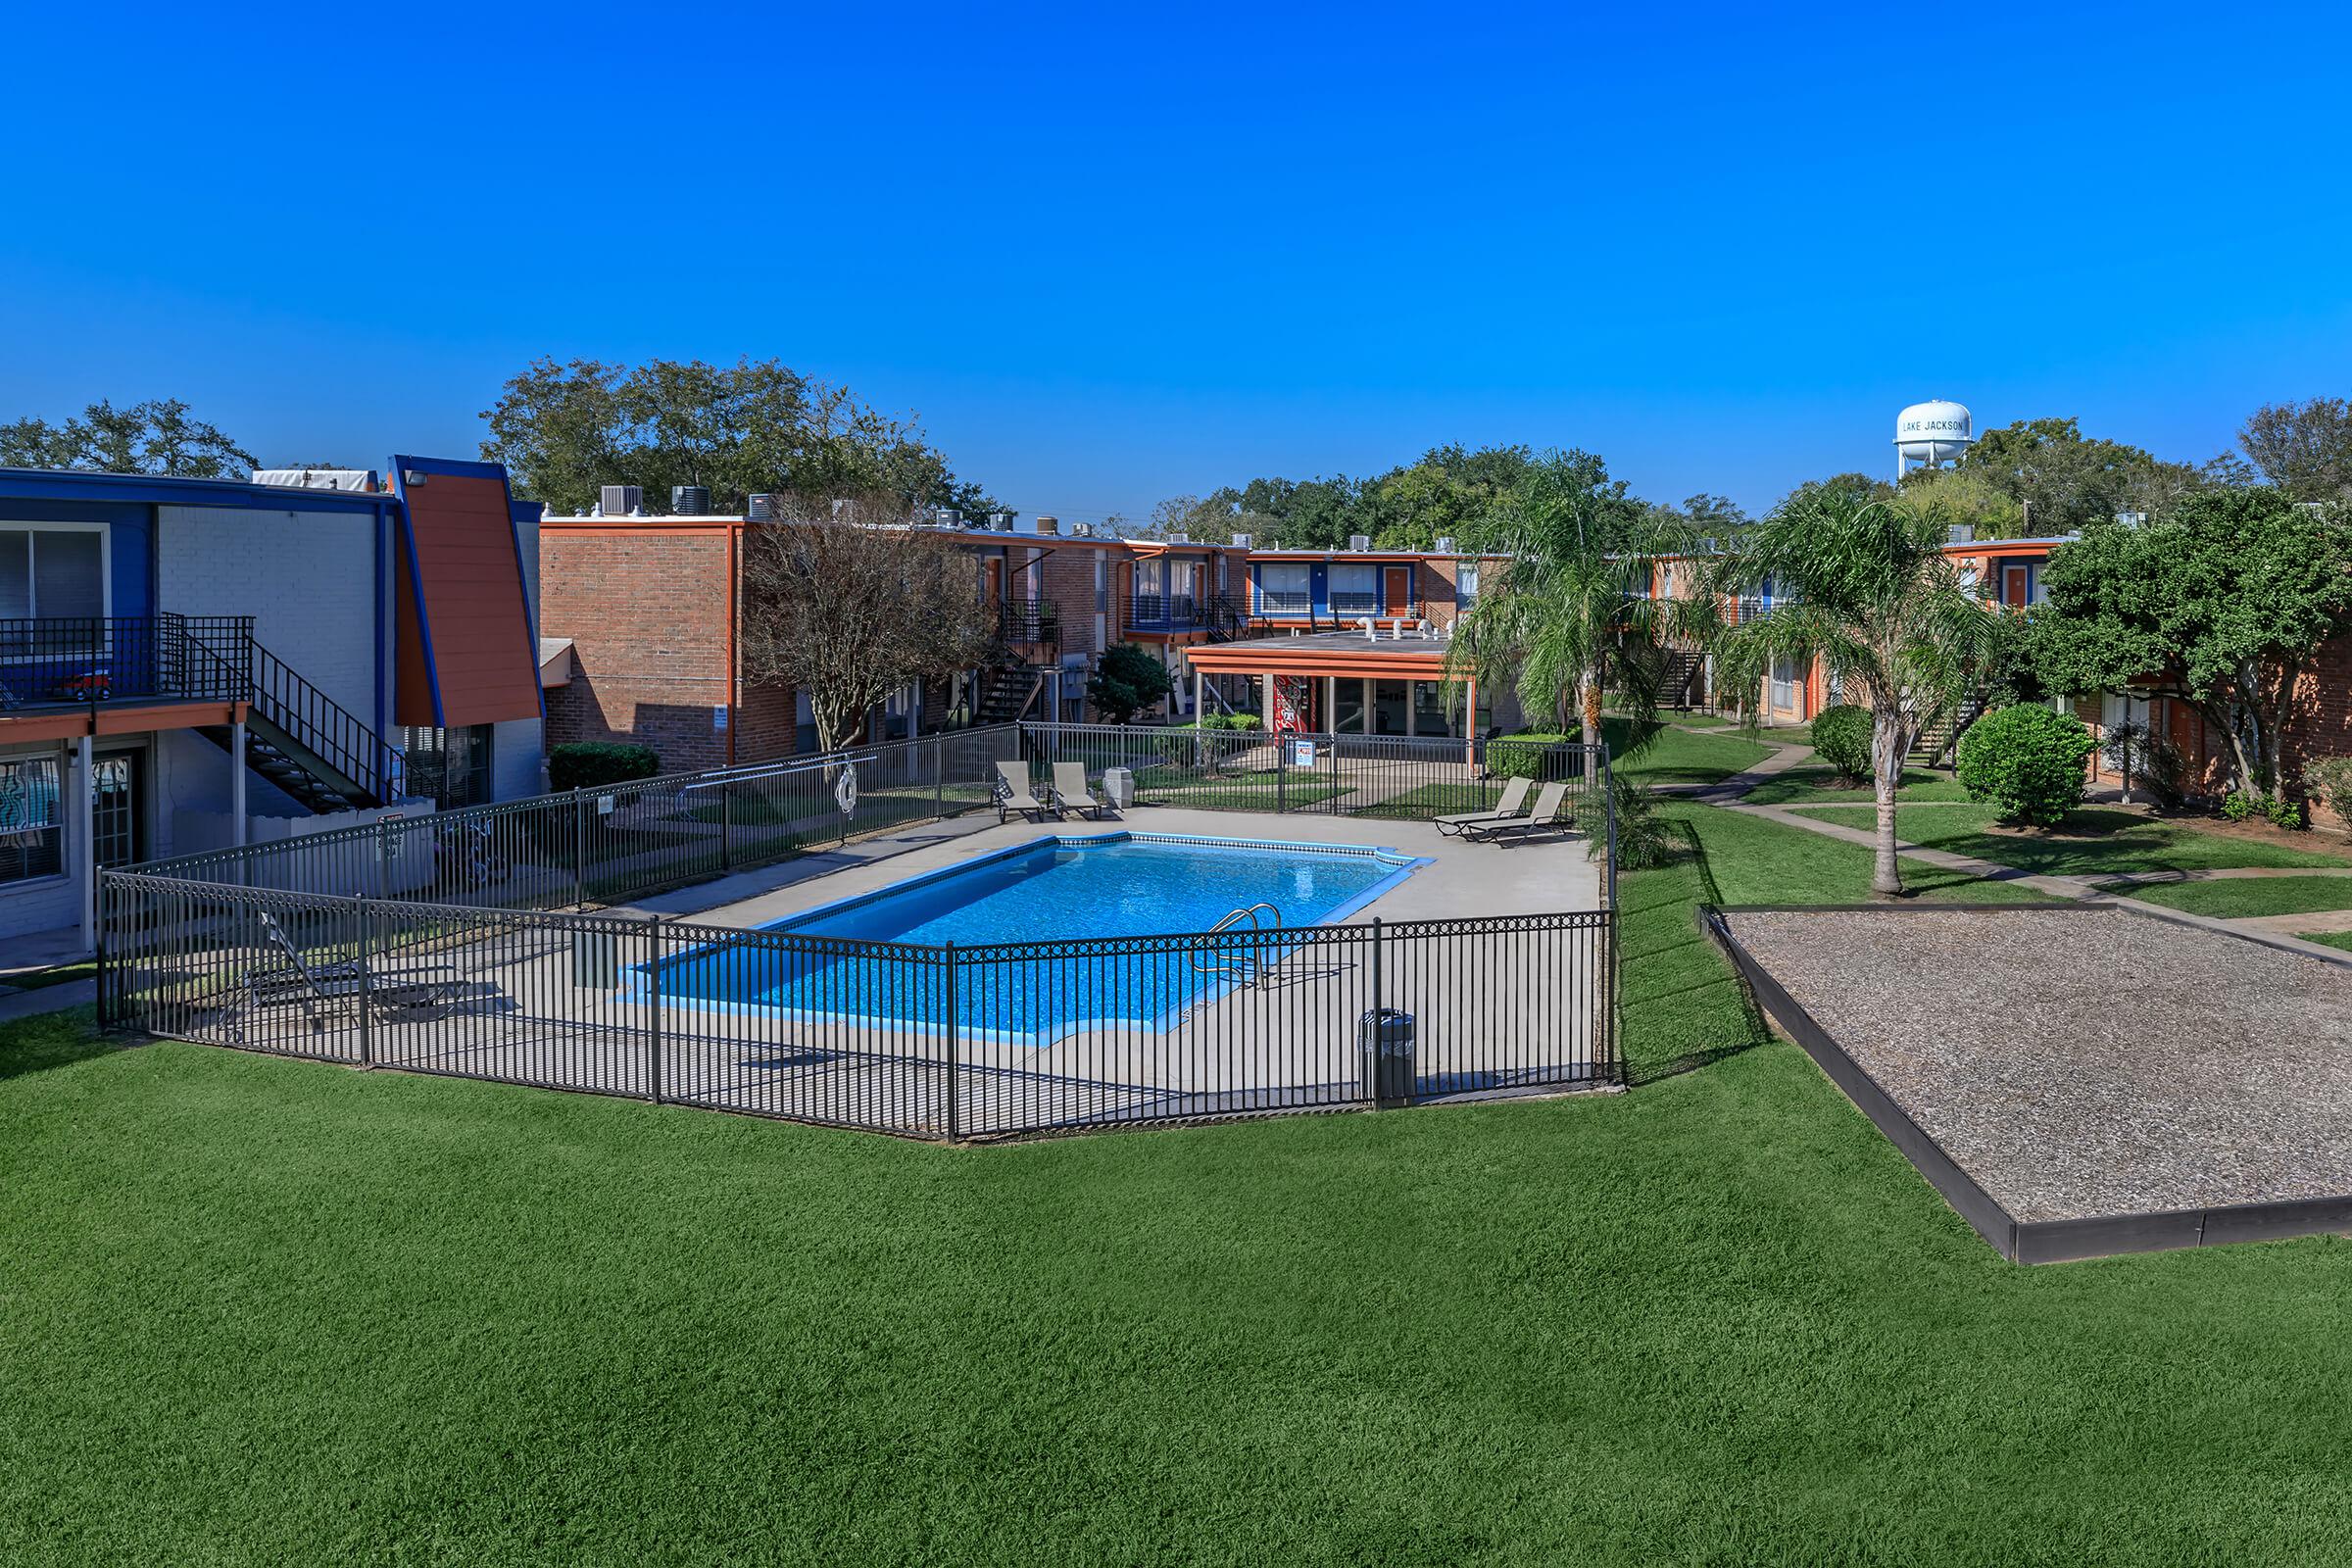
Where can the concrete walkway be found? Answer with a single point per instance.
(47, 999)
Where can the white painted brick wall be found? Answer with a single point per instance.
(307, 579)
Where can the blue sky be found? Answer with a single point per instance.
(1109, 255)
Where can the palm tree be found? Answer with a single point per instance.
(1571, 617)
(1864, 586)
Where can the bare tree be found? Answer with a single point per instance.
(854, 602)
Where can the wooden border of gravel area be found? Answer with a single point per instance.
(2019, 1240)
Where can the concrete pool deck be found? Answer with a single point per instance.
(2077, 1080)
(1509, 997)
(1540, 877)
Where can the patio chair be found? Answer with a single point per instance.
(1548, 802)
(1514, 797)
(330, 991)
(1013, 793)
(1070, 793)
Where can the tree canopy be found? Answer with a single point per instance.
(2223, 604)
(565, 430)
(1447, 492)
(2062, 479)
(2305, 449)
(156, 437)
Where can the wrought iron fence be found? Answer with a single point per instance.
(619, 841)
(1409, 778)
(925, 1042)
(88, 660)
(461, 943)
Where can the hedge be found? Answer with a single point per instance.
(586, 765)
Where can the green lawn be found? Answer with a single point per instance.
(2241, 898)
(2332, 939)
(1659, 754)
(1817, 786)
(2091, 840)
(271, 1311)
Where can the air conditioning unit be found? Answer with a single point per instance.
(1445, 545)
(1240, 541)
(1961, 534)
(1359, 541)
(622, 500)
(690, 500)
(761, 508)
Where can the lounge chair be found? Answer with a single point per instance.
(1514, 797)
(1548, 802)
(329, 990)
(1070, 793)
(1013, 793)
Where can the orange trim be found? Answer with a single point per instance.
(1409, 664)
(73, 723)
(734, 662)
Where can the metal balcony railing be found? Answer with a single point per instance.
(1029, 620)
(93, 661)
(1162, 613)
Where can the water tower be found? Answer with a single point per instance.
(1931, 434)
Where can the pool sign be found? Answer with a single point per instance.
(1302, 753)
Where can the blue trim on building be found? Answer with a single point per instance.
(425, 627)
(150, 490)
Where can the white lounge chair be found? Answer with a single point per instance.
(1013, 793)
(1070, 793)
(1548, 801)
(1514, 799)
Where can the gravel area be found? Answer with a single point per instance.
(2087, 1061)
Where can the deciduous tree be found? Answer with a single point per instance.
(853, 604)
(2305, 449)
(154, 437)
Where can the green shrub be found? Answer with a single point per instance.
(1524, 755)
(2027, 761)
(1127, 681)
(2277, 809)
(585, 765)
(1642, 836)
(2327, 781)
(1841, 737)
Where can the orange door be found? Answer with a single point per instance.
(1397, 590)
(2014, 584)
(995, 589)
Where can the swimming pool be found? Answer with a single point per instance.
(1050, 889)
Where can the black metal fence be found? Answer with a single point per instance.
(90, 660)
(925, 1042)
(441, 943)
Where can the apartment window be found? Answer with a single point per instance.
(1354, 590)
(51, 573)
(451, 767)
(1465, 587)
(30, 837)
(1784, 683)
(1283, 590)
(1101, 583)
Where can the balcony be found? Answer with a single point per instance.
(1162, 612)
(1035, 621)
(91, 662)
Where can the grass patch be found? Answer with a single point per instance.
(1657, 754)
(61, 974)
(274, 1311)
(2330, 939)
(1818, 786)
(2244, 898)
(2090, 840)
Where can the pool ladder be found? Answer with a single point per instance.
(1244, 967)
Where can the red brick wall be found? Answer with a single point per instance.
(647, 614)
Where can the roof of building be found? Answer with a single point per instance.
(148, 489)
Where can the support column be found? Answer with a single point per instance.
(1196, 713)
(236, 783)
(1265, 703)
(1363, 714)
(1331, 704)
(1470, 720)
(85, 839)
(1412, 708)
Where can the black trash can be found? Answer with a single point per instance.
(1387, 1038)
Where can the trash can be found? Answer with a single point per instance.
(1387, 1038)
(1118, 788)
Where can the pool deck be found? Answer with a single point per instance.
(537, 1010)
(1537, 877)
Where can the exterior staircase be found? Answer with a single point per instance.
(1005, 693)
(1932, 746)
(1684, 666)
(310, 746)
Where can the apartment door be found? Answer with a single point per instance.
(992, 587)
(2017, 586)
(118, 809)
(1397, 590)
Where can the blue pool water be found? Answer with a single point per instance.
(1114, 886)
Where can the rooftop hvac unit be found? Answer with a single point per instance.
(1960, 533)
(1359, 541)
(690, 500)
(1445, 543)
(622, 500)
(1242, 541)
(1082, 530)
(1180, 538)
(761, 508)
